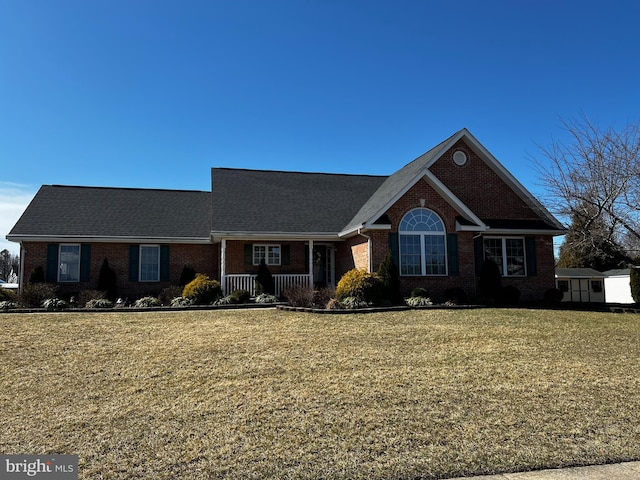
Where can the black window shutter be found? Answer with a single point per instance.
(134, 262)
(452, 253)
(85, 262)
(394, 248)
(285, 252)
(478, 253)
(530, 255)
(52, 262)
(248, 254)
(164, 263)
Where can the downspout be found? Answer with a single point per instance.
(223, 261)
(370, 260)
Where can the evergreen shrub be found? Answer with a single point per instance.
(202, 290)
(390, 277)
(361, 285)
(107, 281)
(240, 296)
(634, 282)
(264, 280)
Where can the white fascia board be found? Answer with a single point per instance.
(523, 231)
(91, 239)
(365, 227)
(295, 236)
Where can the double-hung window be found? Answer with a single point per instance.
(69, 263)
(508, 254)
(149, 263)
(271, 254)
(423, 248)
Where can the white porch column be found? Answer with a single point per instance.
(223, 261)
(311, 264)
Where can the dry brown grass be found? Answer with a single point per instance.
(270, 394)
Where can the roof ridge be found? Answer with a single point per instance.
(146, 189)
(299, 172)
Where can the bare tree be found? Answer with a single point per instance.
(595, 176)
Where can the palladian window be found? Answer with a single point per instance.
(423, 248)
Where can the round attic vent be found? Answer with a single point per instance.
(459, 158)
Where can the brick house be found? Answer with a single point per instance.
(440, 216)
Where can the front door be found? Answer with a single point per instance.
(323, 266)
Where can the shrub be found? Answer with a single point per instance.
(553, 296)
(353, 303)
(224, 301)
(107, 281)
(266, 298)
(87, 295)
(99, 303)
(419, 292)
(8, 305)
(455, 296)
(360, 284)
(148, 302)
(54, 304)
(510, 295)
(299, 296)
(181, 302)
(240, 296)
(418, 301)
(264, 280)
(202, 290)
(8, 295)
(37, 275)
(634, 282)
(187, 275)
(390, 277)
(323, 296)
(34, 294)
(333, 304)
(169, 293)
(490, 280)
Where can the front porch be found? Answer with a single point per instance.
(282, 282)
(292, 263)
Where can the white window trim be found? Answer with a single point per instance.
(140, 263)
(266, 253)
(423, 256)
(60, 262)
(505, 269)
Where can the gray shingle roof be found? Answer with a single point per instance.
(578, 272)
(392, 186)
(287, 202)
(116, 212)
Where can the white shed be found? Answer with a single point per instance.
(617, 286)
(581, 284)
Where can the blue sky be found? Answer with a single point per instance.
(152, 93)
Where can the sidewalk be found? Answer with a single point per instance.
(616, 471)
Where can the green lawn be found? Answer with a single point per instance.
(271, 394)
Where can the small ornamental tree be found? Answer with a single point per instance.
(634, 283)
(490, 280)
(37, 275)
(107, 280)
(188, 274)
(264, 280)
(390, 278)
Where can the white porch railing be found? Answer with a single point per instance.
(248, 282)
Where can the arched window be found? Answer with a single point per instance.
(422, 244)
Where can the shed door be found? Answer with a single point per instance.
(579, 288)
